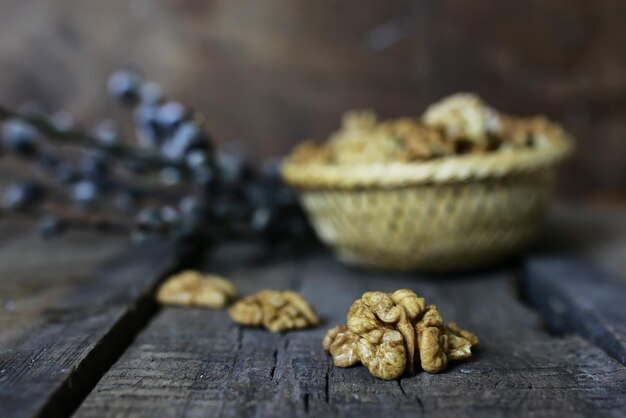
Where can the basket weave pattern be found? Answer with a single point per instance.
(447, 215)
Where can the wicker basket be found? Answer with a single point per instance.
(456, 213)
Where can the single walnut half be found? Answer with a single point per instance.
(341, 344)
(192, 288)
(275, 310)
(390, 330)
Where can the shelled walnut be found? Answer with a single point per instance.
(192, 288)
(456, 125)
(464, 115)
(341, 344)
(385, 332)
(277, 311)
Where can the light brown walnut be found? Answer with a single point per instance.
(463, 115)
(341, 344)
(277, 311)
(460, 342)
(432, 341)
(385, 324)
(392, 329)
(192, 288)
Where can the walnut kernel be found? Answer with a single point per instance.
(341, 344)
(373, 317)
(192, 288)
(275, 310)
(463, 115)
(390, 330)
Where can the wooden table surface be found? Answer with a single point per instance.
(80, 334)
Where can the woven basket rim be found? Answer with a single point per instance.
(461, 168)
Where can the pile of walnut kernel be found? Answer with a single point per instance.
(388, 332)
(457, 125)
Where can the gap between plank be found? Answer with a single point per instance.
(66, 399)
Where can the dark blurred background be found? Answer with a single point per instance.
(270, 73)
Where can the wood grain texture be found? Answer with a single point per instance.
(575, 275)
(578, 296)
(270, 73)
(196, 363)
(67, 310)
(597, 234)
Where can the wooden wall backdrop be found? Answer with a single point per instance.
(272, 72)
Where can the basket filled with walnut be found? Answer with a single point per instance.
(462, 187)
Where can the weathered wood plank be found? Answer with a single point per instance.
(594, 233)
(580, 297)
(36, 275)
(196, 363)
(65, 320)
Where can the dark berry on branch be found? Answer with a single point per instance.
(20, 137)
(48, 162)
(22, 195)
(146, 115)
(189, 205)
(137, 166)
(125, 200)
(233, 170)
(170, 115)
(191, 216)
(196, 158)
(270, 171)
(107, 135)
(169, 215)
(204, 176)
(148, 132)
(151, 94)
(149, 220)
(50, 226)
(261, 219)
(95, 165)
(147, 137)
(258, 195)
(170, 176)
(85, 192)
(186, 137)
(62, 121)
(189, 134)
(66, 173)
(124, 86)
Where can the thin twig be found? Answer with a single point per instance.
(79, 138)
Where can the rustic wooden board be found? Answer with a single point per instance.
(196, 363)
(597, 234)
(65, 316)
(576, 275)
(578, 296)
